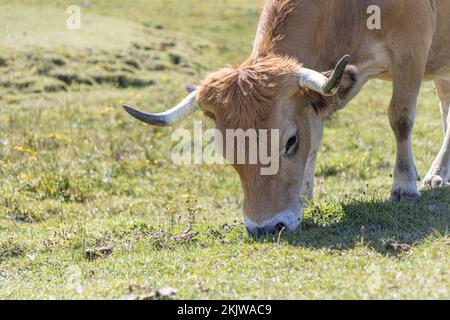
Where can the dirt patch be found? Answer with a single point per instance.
(71, 77)
(165, 240)
(175, 58)
(397, 247)
(374, 227)
(97, 252)
(136, 293)
(123, 80)
(134, 63)
(10, 249)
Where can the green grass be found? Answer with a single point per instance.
(77, 173)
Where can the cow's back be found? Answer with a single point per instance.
(319, 32)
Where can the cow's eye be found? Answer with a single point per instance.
(291, 144)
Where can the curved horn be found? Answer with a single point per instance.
(316, 81)
(169, 117)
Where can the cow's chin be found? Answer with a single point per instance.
(288, 220)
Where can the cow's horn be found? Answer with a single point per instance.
(169, 117)
(318, 82)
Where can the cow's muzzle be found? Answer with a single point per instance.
(283, 221)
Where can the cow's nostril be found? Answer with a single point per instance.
(264, 231)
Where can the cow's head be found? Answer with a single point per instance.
(274, 93)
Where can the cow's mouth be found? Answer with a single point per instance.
(288, 220)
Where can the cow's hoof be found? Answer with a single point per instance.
(405, 197)
(434, 182)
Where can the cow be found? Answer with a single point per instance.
(309, 59)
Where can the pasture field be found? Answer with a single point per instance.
(91, 206)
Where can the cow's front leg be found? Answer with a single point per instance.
(316, 130)
(307, 190)
(439, 173)
(402, 112)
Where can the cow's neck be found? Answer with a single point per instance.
(311, 35)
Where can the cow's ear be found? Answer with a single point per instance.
(348, 82)
(327, 105)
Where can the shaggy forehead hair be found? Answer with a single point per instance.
(242, 96)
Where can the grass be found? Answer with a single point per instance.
(92, 207)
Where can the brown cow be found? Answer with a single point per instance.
(276, 88)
